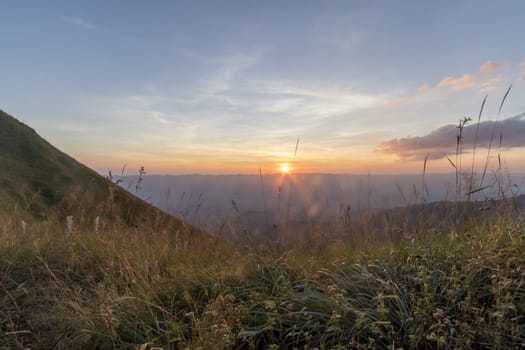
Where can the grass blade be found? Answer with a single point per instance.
(492, 135)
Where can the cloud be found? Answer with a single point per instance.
(469, 80)
(466, 81)
(234, 86)
(423, 88)
(443, 139)
(308, 100)
(81, 23)
(490, 66)
(231, 109)
(228, 70)
(491, 84)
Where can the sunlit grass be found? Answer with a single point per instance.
(134, 288)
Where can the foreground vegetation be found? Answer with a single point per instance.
(116, 287)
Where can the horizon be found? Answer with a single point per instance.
(246, 87)
(276, 173)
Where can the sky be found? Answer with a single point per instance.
(231, 86)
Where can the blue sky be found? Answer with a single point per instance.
(229, 86)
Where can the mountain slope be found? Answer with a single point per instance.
(37, 180)
(33, 174)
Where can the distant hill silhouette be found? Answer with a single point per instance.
(393, 224)
(41, 182)
(441, 216)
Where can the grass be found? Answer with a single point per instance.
(143, 289)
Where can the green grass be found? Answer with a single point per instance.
(138, 288)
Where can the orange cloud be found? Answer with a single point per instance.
(398, 102)
(466, 81)
(491, 84)
(423, 88)
(490, 66)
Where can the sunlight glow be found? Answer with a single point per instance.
(285, 168)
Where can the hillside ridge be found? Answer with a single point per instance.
(39, 181)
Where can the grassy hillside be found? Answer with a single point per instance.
(34, 175)
(39, 182)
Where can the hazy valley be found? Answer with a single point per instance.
(260, 203)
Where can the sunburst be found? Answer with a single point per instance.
(285, 168)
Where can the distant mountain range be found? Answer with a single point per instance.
(38, 181)
(215, 202)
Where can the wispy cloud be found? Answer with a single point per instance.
(470, 80)
(82, 23)
(443, 139)
(287, 98)
(136, 109)
(226, 70)
(234, 88)
(423, 88)
(492, 83)
(232, 110)
(490, 66)
(466, 81)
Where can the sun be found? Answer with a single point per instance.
(285, 168)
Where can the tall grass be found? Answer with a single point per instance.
(139, 288)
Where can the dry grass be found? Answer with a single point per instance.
(130, 288)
